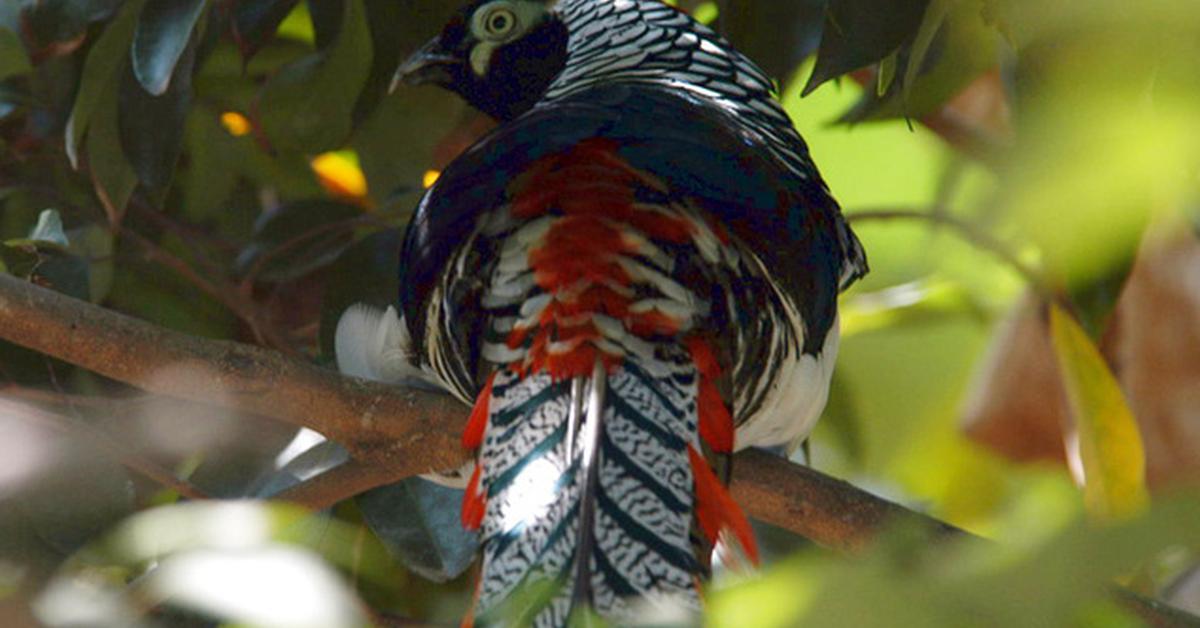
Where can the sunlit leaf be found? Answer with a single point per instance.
(1109, 443)
(255, 22)
(264, 586)
(307, 107)
(163, 32)
(340, 175)
(100, 69)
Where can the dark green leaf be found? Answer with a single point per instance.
(293, 240)
(99, 73)
(935, 15)
(957, 52)
(777, 35)
(163, 32)
(213, 165)
(366, 273)
(418, 521)
(152, 126)
(112, 176)
(326, 24)
(20, 259)
(1096, 299)
(47, 264)
(13, 60)
(94, 245)
(255, 21)
(307, 107)
(860, 32)
(48, 22)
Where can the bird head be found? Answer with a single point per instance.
(499, 55)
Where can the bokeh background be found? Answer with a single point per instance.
(1022, 362)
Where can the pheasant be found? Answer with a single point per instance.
(632, 276)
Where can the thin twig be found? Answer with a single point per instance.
(977, 237)
(242, 307)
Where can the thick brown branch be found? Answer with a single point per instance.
(407, 431)
(392, 433)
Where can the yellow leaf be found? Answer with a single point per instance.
(235, 123)
(1110, 446)
(431, 177)
(340, 175)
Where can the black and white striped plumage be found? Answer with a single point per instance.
(639, 258)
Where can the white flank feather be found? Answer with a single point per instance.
(373, 344)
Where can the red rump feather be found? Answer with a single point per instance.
(473, 434)
(474, 504)
(716, 510)
(716, 424)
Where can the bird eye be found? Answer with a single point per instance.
(499, 22)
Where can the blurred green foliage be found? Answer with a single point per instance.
(178, 142)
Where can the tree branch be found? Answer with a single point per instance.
(395, 433)
(390, 432)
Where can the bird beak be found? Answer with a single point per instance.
(431, 64)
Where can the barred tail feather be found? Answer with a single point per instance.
(604, 523)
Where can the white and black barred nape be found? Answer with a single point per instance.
(649, 42)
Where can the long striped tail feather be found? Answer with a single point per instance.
(604, 523)
(594, 490)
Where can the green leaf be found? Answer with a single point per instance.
(1110, 445)
(307, 107)
(48, 22)
(49, 228)
(255, 23)
(113, 178)
(951, 49)
(99, 73)
(20, 258)
(293, 240)
(777, 35)
(93, 244)
(152, 125)
(13, 60)
(164, 31)
(47, 264)
(931, 23)
(418, 522)
(887, 73)
(860, 32)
